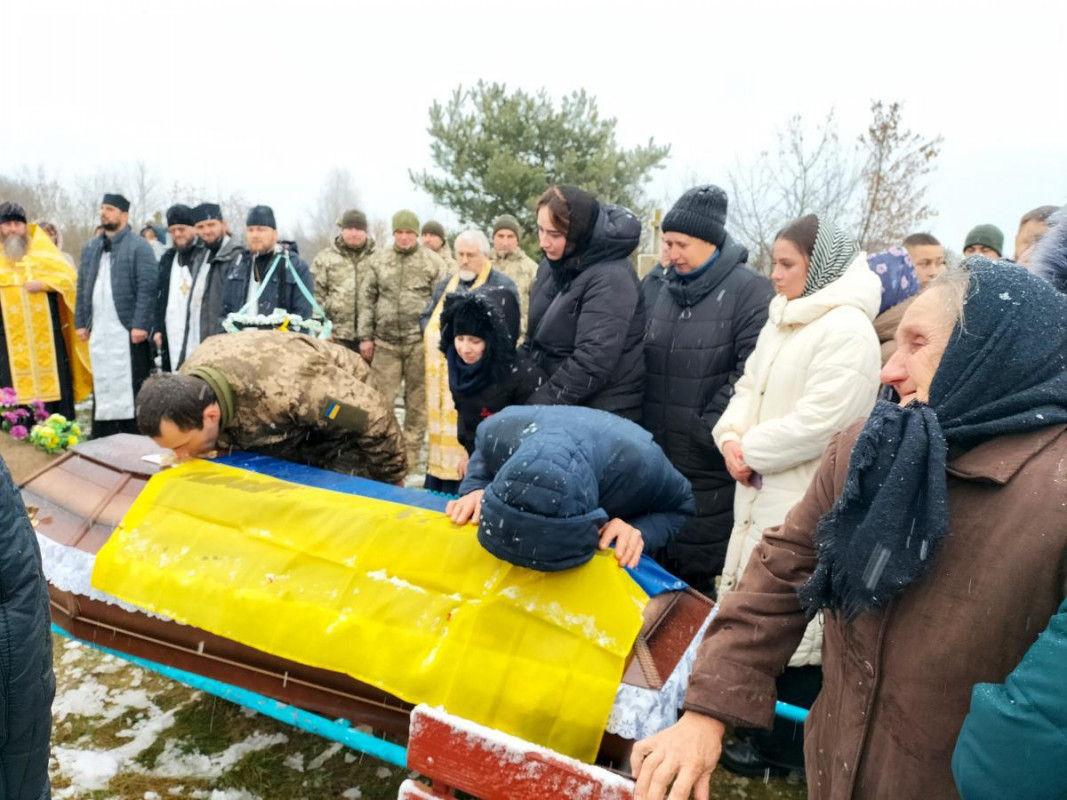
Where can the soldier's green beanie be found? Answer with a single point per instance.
(405, 221)
(986, 236)
(434, 227)
(506, 222)
(353, 218)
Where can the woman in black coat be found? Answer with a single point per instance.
(485, 372)
(27, 682)
(704, 315)
(586, 314)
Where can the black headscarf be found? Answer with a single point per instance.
(584, 210)
(1003, 372)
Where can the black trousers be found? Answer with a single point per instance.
(441, 486)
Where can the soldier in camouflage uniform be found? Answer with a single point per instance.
(277, 393)
(510, 259)
(433, 237)
(395, 286)
(336, 270)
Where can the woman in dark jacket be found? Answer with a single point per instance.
(704, 317)
(586, 314)
(485, 372)
(548, 486)
(27, 682)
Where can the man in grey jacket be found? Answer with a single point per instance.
(114, 312)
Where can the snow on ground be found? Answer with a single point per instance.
(124, 733)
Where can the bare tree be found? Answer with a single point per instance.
(337, 194)
(896, 163)
(145, 195)
(379, 230)
(807, 175)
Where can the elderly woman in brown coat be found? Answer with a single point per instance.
(933, 539)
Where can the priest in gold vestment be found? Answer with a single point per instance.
(41, 358)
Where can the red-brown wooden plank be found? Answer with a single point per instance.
(494, 766)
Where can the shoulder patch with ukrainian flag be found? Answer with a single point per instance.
(344, 415)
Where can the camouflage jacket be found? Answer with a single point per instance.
(523, 271)
(335, 273)
(394, 289)
(446, 255)
(302, 399)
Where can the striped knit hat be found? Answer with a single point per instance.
(834, 251)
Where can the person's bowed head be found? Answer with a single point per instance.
(547, 519)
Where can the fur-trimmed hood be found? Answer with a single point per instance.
(500, 310)
(1050, 254)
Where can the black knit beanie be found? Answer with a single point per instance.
(701, 213)
(434, 227)
(470, 319)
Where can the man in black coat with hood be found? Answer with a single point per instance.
(703, 321)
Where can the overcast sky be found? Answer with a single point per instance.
(266, 97)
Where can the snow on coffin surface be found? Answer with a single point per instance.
(494, 766)
(394, 596)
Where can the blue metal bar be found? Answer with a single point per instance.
(791, 713)
(334, 730)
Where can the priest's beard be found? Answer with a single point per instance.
(15, 246)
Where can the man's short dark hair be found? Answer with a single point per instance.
(171, 395)
(921, 240)
(1039, 214)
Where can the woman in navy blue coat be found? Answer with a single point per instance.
(549, 485)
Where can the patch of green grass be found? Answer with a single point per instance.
(204, 726)
(265, 773)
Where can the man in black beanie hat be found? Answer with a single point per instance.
(433, 238)
(251, 288)
(115, 311)
(704, 315)
(223, 251)
(509, 258)
(177, 272)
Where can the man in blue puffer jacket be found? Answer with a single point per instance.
(27, 683)
(549, 485)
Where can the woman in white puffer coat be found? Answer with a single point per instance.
(814, 370)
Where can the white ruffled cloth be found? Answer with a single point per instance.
(638, 712)
(70, 570)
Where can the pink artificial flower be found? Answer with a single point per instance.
(8, 396)
(10, 416)
(21, 412)
(19, 432)
(40, 416)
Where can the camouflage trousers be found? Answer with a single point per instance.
(392, 366)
